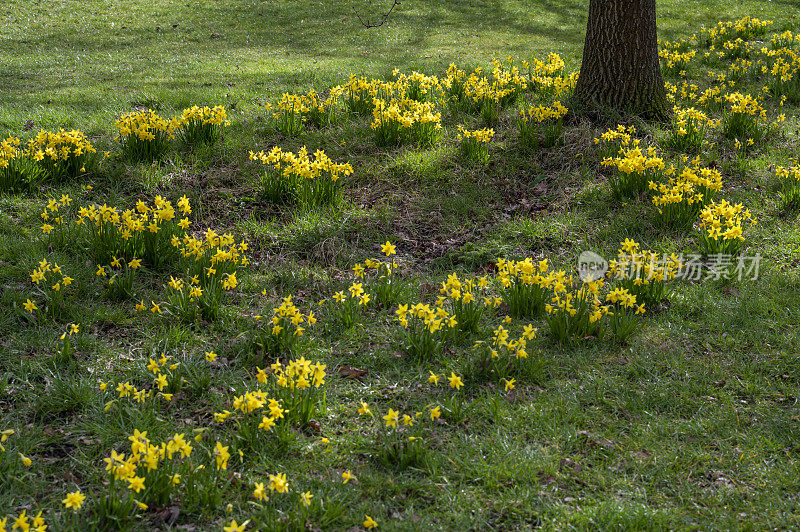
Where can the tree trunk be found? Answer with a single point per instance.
(620, 68)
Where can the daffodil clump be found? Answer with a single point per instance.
(744, 28)
(503, 356)
(541, 125)
(168, 379)
(424, 328)
(642, 272)
(611, 142)
(454, 88)
(689, 129)
(346, 306)
(524, 286)
(454, 405)
(386, 284)
(784, 40)
(417, 86)
(405, 120)
(202, 124)
(744, 117)
(211, 263)
(144, 135)
(475, 144)
(67, 351)
(119, 276)
(56, 227)
(282, 333)
(147, 231)
(783, 76)
(18, 170)
(547, 78)
(622, 313)
(466, 300)
(790, 185)
(359, 93)
(489, 97)
(289, 114)
(322, 112)
(398, 437)
(508, 79)
(574, 310)
(674, 62)
(681, 199)
(298, 385)
(26, 522)
(312, 181)
(50, 284)
(156, 474)
(255, 414)
(721, 227)
(635, 169)
(742, 69)
(62, 154)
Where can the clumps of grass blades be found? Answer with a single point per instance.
(144, 136)
(689, 129)
(311, 181)
(680, 200)
(423, 329)
(790, 185)
(524, 286)
(387, 285)
(18, 170)
(283, 333)
(202, 124)
(541, 125)
(61, 155)
(720, 228)
(475, 144)
(405, 120)
(635, 169)
(643, 272)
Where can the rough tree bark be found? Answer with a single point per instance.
(620, 68)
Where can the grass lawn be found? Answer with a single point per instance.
(692, 423)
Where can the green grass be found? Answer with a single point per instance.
(693, 425)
